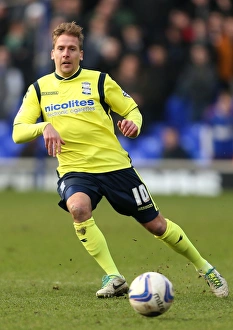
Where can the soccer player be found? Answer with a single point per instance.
(77, 128)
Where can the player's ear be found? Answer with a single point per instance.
(52, 56)
(81, 55)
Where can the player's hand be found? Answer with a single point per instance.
(127, 128)
(53, 141)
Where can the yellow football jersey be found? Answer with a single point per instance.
(79, 109)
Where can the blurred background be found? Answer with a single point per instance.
(174, 57)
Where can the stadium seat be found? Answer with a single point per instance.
(178, 112)
(8, 148)
(195, 140)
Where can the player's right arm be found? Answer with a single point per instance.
(26, 128)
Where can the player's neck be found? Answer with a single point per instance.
(68, 76)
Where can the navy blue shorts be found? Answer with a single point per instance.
(123, 189)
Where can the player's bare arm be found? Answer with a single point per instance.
(128, 128)
(53, 141)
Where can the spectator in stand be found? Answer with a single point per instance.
(181, 20)
(4, 20)
(224, 52)
(159, 83)
(110, 54)
(15, 36)
(200, 34)
(127, 74)
(225, 7)
(37, 23)
(26, 38)
(198, 8)
(214, 31)
(130, 75)
(97, 33)
(71, 10)
(114, 12)
(172, 148)
(214, 26)
(219, 116)
(20, 48)
(177, 50)
(11, 85)
(133, 39)
(101, 23)
(152, 15)
(198, 81)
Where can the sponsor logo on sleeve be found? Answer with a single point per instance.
(125, 94)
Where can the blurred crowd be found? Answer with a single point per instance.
(174, 57)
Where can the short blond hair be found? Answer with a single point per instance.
(70, 28)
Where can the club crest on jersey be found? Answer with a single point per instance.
(86, 88)
(125, 94)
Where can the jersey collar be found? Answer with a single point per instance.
(72, 77)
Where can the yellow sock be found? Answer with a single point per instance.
(176, 239)
(94, 242)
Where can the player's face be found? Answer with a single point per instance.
(66, 55)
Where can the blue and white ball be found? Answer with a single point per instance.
(151, 294)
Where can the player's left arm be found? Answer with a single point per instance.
(122, 103)
(131, 125)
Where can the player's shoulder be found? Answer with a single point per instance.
(38, 85)
(46, 78)
(93, 73)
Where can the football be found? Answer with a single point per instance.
(151, 294)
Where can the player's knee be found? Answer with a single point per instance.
(79, 206)
(80, 212)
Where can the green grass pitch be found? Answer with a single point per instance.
(48, 281)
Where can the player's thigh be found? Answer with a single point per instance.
(129, 196)
(79, 189)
